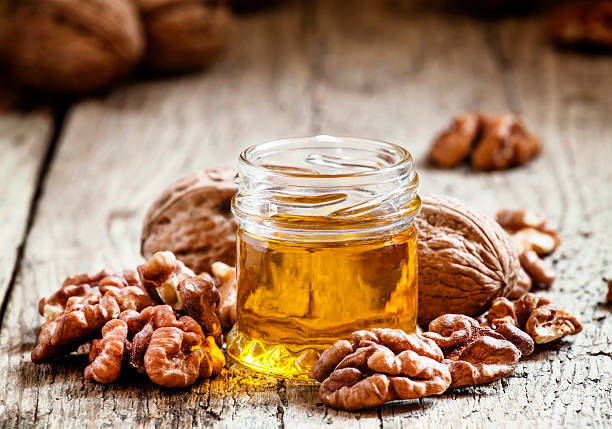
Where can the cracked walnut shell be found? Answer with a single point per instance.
(382, 365)
(465, 259)
(193, 219)
(70, 46)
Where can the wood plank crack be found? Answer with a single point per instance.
(59, 114)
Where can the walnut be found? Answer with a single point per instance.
(213, 360)
(514, 220)
(536, 269)
(105, 355)
(70, 46)
(185, 34)
(474, 354)
(540, 241)
(141, 327)
(465, 259)
(119, 280)
(454, 145)
(201, 298)
(178, 287)
(161, 276)
(583, 24)
(549, 323)
(193, 219)
(493, 142)
(81, 320)
(537, 316)
(382, 365)
(77, 285)
(532, 238)
(504, 142)
(226, 310)
(175, 358)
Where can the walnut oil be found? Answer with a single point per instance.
(326, 246)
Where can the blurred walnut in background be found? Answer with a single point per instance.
(185, 34)
(68, 45)
(586, 24)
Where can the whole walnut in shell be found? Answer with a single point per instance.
(466, 259)
(193, 219)
(185, 34)
(70, 46)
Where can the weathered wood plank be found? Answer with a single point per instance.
(114, 157)
(24, 139)
(390, 70)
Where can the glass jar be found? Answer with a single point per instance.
(326, 246)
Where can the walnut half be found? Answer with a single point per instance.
(381, 365)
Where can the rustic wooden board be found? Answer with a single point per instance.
(24, 140)
(380, 69)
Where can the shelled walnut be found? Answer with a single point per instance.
(491, 141)
(381, 365)
(465, 259)
(474, 354)
(226, 310)
(583, 24)
(532, 238)
(176, 285)
(537, 316)
(106, 354)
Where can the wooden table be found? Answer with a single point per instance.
(74, 188)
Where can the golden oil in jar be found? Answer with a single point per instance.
(316, 264)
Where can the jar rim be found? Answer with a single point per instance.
(326, 187)
(249, 155)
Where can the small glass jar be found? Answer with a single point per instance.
(326, 246)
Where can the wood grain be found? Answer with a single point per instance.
(381, 69)
(24, 139)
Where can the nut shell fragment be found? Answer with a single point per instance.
(464, 257)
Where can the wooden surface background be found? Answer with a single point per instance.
(74, 188)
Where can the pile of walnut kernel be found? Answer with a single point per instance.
(161, 319)
(489, 141)
(382, 365)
